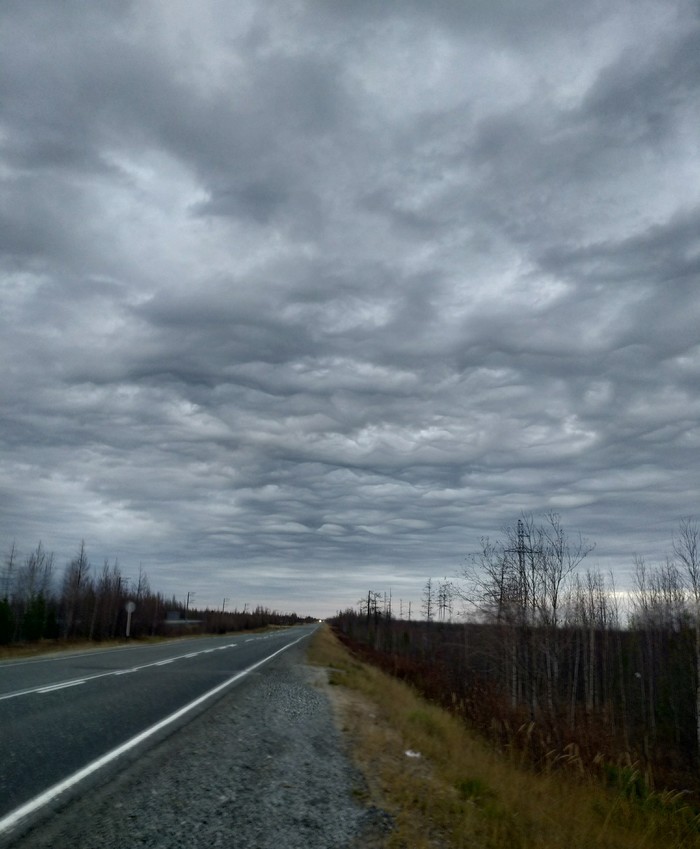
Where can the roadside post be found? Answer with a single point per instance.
(130, 607)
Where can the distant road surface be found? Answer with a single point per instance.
(63, 715)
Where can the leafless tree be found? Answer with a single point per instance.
(34, 576)
(686, 548)
(428, 601)
(518, 583)
(444, 601)
(76, 583)
(10, 566)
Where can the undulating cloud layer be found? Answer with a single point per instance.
(303, 298)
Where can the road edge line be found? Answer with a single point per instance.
(13, 819)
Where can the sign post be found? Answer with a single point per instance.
(130, 607)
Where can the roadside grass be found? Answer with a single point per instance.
(446, 787)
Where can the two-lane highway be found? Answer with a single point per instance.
(64, 718)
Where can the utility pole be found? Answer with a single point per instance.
(528, 614)
(521, 546)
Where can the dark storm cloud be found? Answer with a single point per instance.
(298, 301)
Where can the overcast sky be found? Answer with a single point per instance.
(303, 298)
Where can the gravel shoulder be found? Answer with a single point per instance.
(264, 766)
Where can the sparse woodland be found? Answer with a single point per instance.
(84, 602)
(548, 663)
(543, 660)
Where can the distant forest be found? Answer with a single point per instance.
(547, 664)
(89, 603)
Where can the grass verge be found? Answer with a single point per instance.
(446, 787)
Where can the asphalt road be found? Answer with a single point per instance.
(61, 714)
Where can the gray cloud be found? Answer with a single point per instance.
(298, 301)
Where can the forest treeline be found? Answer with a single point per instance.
(547, 660)
(84, 602)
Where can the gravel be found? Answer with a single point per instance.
(265, 766)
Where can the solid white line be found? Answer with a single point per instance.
(8, 822)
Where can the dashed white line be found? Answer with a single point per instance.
(62, 686)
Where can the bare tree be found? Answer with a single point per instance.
(34, 577)
(31, 589)
(444, 600)
(143, 587)
(559, 558)
(428, 601)
(686, 547)
(490, 583)
(76, 581)
(490, 588)
(518, 583)
(369, 606)
(10, 565)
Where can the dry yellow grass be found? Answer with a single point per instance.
(461, 793)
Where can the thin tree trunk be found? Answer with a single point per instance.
(623, 695)
(589, 670)
(697, 674)
(574, 681)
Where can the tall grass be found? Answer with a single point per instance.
(460, 792)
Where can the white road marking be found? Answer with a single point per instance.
(51, 688)
(62, 655)
(11, 820)
(45, 688)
